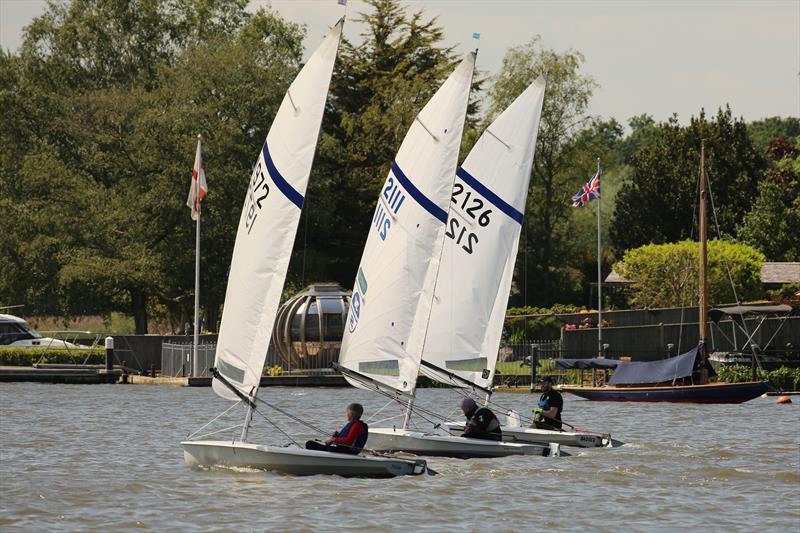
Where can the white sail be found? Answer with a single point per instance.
(268, 224)
(394, 284)
(483, 229)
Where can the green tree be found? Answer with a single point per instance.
(376, 89)
(644, 132)
(102, 178)
(764, 131)
(657, 204)
(772, 224)
(102, 43)
(666, 275)
(544, 249)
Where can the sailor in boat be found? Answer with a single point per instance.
(547, 414)
(352, 437)
(481, 422)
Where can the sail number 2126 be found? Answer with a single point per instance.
(472, 206)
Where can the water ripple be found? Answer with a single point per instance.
(108, 458)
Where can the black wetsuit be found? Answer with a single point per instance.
(551, 398)
(482, 424)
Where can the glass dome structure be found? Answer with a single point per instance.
(310, 326)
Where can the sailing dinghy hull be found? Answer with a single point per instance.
(296, 461)
(418, 443)
(525, 435)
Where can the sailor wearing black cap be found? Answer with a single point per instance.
(481, 422)
(547, 414)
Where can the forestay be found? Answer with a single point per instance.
(483, 229)
(268, 224)
(392, 295)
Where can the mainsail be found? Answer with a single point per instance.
(483, 229)
(393, 289)
(268, 224)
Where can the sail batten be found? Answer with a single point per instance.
(484, 223)
(393, 290)
(268, 224)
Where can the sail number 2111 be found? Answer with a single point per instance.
(472, 206)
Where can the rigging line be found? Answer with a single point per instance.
(293, 417)
(386, 419)
(688, 272)
(204, 435)
(373, 415)
(273, 424)
(719, 235)
(418, 412)
(214, 420)
(441, 249)
(413, 408)
(497, 405)
(306, 212)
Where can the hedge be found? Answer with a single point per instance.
(29, 356)
(783, 378)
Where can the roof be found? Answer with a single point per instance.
(780, 273)
(775, 273)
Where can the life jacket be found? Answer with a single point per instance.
(360, 441)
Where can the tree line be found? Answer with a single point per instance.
(102, 102)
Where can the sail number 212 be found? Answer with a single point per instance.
(259, 190)
(472, 206)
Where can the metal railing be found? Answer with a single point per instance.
(176, 359)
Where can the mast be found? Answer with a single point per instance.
(703, 263)
(599, 276)
(196, 338)
(269, 219)
(410, 405)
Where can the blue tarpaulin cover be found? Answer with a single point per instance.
(677, 367)
(585, 364)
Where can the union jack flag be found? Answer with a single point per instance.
(588, 192)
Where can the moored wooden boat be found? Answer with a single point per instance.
(708, 393)
(683, 378)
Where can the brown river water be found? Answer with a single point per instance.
(107, 457)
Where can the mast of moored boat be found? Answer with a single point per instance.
(703, 266)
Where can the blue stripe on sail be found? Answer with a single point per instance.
(484, 191)
(417, 195)
(288, 191)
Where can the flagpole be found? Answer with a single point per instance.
(195, 359)
(599, 274)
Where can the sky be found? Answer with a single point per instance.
(651, 57)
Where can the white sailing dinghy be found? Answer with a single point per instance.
(264, 241)
(391, 301)
(477, 265)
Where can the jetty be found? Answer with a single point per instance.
(78, 375)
